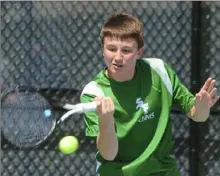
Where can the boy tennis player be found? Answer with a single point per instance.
(132, 125)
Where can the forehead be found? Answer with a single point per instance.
(129, 42)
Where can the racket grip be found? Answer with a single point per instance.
(85, 107)
(79, 108)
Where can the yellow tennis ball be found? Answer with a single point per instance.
(68, 144)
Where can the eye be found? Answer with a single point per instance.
(112, 49)
(126, 51)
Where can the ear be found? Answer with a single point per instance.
(141, 51)
(102, 51)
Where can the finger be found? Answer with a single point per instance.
(205, 96)
(109, 104)
(215, 100)
(112, 106)
(105, 104)
(97, 98)
(198, 97)
(211, 86)
(100, 107)
(213, 93)
(207, 83)
(98, 102)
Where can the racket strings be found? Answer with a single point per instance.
(26, 118)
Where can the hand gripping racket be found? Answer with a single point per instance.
(27, 116)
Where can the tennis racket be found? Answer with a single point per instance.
(27, 116)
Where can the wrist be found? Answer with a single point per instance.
(198, 116)
(106, 124)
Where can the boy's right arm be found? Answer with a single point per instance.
(107, 142)
(100, 124)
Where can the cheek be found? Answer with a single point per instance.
(131, 58)
(107, 55)
(104, 53)
(107, 58)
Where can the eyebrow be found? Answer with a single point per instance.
(111, 45)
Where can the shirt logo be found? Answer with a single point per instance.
(144, 107)
(141, 104)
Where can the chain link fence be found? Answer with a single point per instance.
(210, 141)
(56, 45)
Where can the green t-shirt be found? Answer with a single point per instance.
(139, 104)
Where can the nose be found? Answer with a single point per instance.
(118, 56)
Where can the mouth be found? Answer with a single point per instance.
(118, 65)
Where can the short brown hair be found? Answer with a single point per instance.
(123, 25)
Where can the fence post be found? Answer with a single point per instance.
(196, 78)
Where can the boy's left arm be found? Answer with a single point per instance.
(204, 100)
(195, 107)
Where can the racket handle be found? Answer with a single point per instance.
(79, 108)
(82, 107)
(85, 107)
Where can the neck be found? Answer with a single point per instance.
(120, 77)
